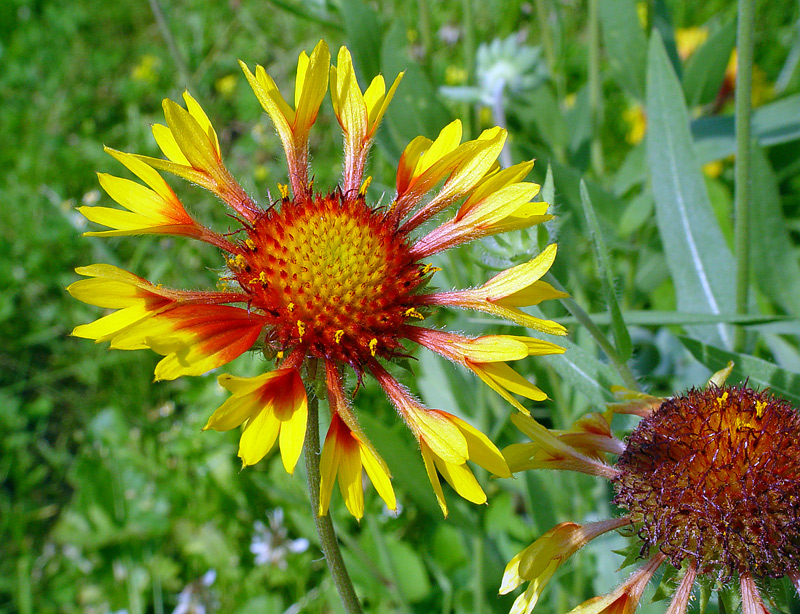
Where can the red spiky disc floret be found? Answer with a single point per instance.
(334, 279)
(714, 476)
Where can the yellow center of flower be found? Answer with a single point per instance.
(334, 276)
(714, 475)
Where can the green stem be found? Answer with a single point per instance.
(744, 83)
(586, 321)
(327, 535)
(595, 88)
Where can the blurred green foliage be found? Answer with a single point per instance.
(112, 500)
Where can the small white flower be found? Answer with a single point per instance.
(196, 598)
(271, 544)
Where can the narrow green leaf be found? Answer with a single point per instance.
(585, 373)
(773, 255)
(622, 338)
(758, 372)
(678, 318)
(699, 261)
(774, 123)
(705, 69)
(625, 44)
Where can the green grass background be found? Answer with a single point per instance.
(113, 500)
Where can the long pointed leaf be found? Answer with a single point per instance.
(621, 337)
(585, 373)
(700, 262)
(773, 255)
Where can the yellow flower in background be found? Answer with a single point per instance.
(689, 40)
(708, 482)
(326, 279)
(636, 118)
(146, 71)
(226, 85)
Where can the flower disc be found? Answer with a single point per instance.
(334, 276)
(714, 475)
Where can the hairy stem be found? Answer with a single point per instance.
(327, 535)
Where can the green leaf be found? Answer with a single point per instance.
(651, 317)
(416, 108)
(758, 372)
(699, 261)
(363, 38)
(625, 44)
(774, 123)
(705, 69)
(773, 255)
(585, 373)
(621, 337)
(412, 580)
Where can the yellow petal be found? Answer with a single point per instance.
(193, 141)
(328, 465)
(430, 469)
(379, 475)
(293, 435)
(132, 196)
(481, 449)
(511, 578)
(518, 278)
(181, 170)
(408, 162)
(311, 85)
(108, 326)
(168, 145)
(145, 172)
(258, 437)
(377, 104)
(502, 203)
(348, 102)
(196, 111)
(112, 287)
(493, 348)
(273, 103)
(461, 479)
(494, 182)
(448, 139)
(234, 412)
(525, 603)
(350, 480)
(503, 379)
(441, 434)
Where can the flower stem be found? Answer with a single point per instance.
(744, 81)
(327, 535)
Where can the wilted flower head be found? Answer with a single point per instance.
(709, 482)
(323, 280)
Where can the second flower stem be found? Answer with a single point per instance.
(325, 530)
